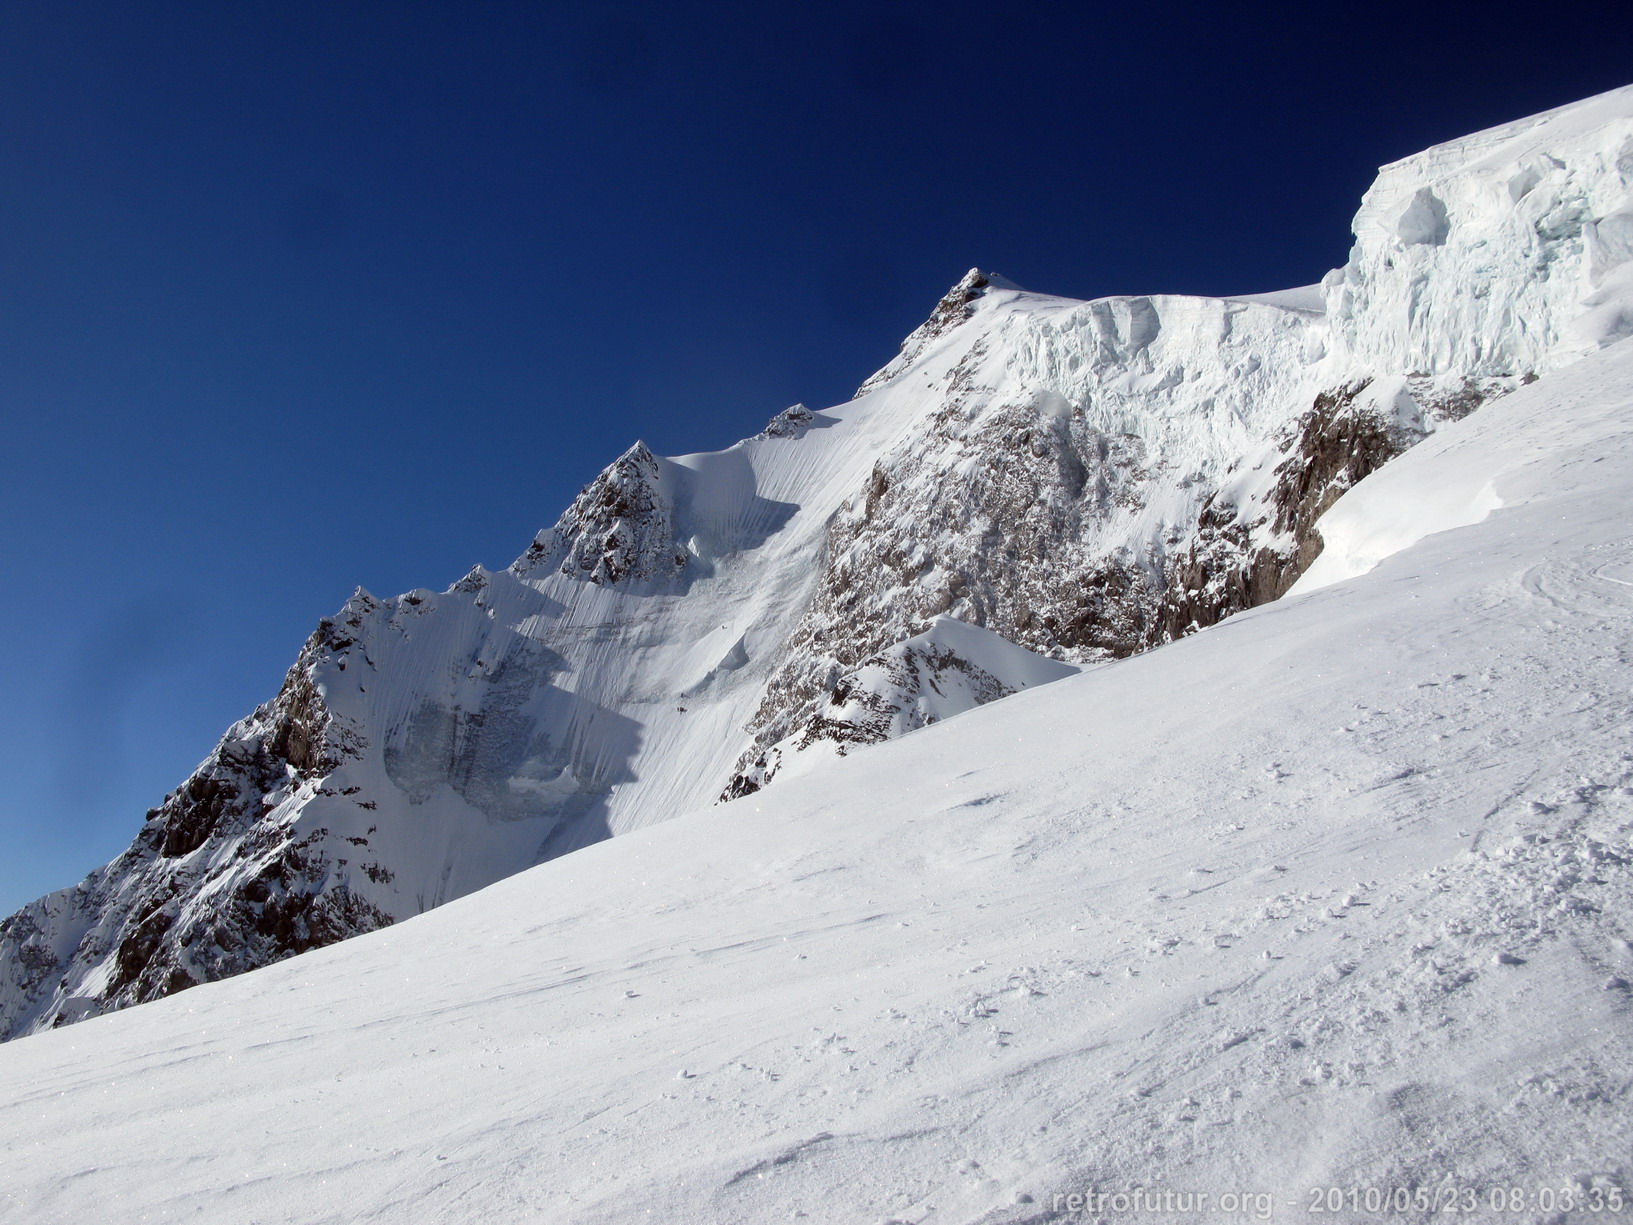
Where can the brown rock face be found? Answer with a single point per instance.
(209, 888)
(618, 528)
(1014, 546)
(1225, 569)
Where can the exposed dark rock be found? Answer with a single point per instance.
(883, 697)
(189, 817)
(1008, 548)
(618, 528)
(790, 423)
(1230, 565)
(957, 305)
(146, 914)
(1461, 397)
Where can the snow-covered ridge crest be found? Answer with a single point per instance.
(1504, 253)
(957, 304)
(1083, 480)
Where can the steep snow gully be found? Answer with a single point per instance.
(1333, 895)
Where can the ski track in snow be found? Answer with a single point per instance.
(1336, 893)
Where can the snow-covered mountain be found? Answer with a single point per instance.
(1333, 898)
(1034, 484)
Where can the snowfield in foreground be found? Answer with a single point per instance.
(1334, 894)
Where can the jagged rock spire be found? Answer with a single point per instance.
(620, 527)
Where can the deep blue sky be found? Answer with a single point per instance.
(298, 296)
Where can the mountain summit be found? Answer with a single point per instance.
(1033, 485)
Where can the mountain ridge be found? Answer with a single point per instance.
(1336, 894)
(1084, 480)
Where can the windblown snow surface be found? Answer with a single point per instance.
(1335, 894)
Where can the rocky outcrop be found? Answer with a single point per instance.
(619, 528)
(1235, 562)
(956, 305)
(950, 668)
(1232, 564)
(210, 887)
(790, 423)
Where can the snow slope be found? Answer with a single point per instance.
(1083, 480)
(1337, 893)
